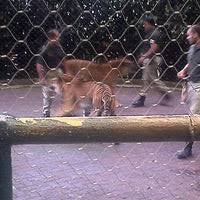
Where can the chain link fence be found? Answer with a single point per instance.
(97, 31)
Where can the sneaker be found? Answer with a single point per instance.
(185, 153)
(139, 102)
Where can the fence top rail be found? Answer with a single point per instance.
(101, 129)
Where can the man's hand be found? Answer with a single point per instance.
(183, 73)
(149, 54)
(141, 60)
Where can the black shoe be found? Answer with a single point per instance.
(187, 152)
(139, 102)
(165, 99)
(46, 114)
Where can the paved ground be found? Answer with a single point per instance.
(131, 171)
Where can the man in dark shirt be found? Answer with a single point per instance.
(192, 74)
(149, 60)
(51, 57)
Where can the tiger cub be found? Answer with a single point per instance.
(95, 98)
(103, 102)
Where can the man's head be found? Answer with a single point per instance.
(193, 34)
(148, 23)
(53, 35)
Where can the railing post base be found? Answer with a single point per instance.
(5, 167)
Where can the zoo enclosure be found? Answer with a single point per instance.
(89, 30)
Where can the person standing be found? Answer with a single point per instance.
(51, 56)
(191, 72)
(149, 60)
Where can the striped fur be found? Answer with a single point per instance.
(102, 99)
(107, 72)
(90, 96)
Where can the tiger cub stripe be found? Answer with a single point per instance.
(103, 101)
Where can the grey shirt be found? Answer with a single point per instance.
(193, 69)
(51, 55)
(152, 36)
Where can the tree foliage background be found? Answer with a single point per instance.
(91, 29)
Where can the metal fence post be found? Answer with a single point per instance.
(5, 165)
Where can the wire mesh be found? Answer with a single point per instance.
(97, 31)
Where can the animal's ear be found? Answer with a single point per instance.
(54, 73)
(67, 77)
(59, 72)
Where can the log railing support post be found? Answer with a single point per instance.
(5, 165)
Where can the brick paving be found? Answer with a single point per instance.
(140, 171)
(102, 171)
